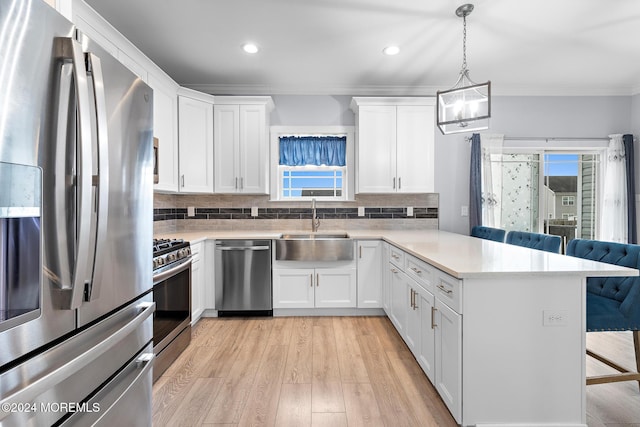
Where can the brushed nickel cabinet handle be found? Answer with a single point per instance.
(317, 280)
(394, 183)
(445, 290)
(393, 270)
(360, 251)
(433, 317)
(311, 279)
(399, 183)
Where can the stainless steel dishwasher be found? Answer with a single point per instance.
(243, 278)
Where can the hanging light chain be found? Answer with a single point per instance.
(464, 42)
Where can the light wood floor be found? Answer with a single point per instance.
(333, 371)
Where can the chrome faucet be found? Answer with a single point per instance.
(315, 221)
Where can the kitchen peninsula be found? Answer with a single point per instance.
(498, 329)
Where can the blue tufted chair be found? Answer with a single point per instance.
(543, 242)
(613, 303)
(488, 233)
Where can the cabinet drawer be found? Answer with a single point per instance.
(449, 291)
(396, 257)
(420, 271)
(195, 252)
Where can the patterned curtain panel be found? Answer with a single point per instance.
(313, 150)
(491, 146)
(614, 200)
(631, 188)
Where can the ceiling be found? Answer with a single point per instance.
(541, 47)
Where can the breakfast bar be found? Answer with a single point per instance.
(498, 329)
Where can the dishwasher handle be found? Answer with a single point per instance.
(242, 248)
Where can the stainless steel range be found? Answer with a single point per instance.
(172, 295)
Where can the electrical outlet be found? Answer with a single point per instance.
(464, 211)
(254, 211)
(409, 210)
(554, 317)
(191, 211)
(360, 210)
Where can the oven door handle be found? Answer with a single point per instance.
(242, 248)
(184, 264)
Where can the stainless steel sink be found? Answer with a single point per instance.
(315, 247)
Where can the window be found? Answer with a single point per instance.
(553, 192)
(308, 181)
(311, 163)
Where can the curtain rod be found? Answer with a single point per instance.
(549, 138)
(552, 138)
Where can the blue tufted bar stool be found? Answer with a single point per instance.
(543, 242)
(488, 233)
(613, 303)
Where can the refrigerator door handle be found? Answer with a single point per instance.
(59, 374)
(69, 49)
(100, 180)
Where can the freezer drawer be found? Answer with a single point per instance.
(243, 277)
(48, 387)
(123, 401)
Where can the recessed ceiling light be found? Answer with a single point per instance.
(250, 48)
(391, 50)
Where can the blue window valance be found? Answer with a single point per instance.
(313, 150)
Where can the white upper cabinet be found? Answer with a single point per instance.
(195, 129)
(241, 144)
(165, 129)
(394, 145)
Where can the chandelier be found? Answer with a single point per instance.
(466, 107)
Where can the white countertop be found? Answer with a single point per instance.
(458, 255)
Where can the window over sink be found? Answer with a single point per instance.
(312, 163)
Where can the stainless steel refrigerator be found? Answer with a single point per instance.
(76, 203)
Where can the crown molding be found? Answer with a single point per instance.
(398, 90)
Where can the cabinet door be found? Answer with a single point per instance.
(386, 279)
(370, 274)
(426, 346)
(376, 168)
(415, 149)
(398, 295)
(254, 156)
(449, 357)
(227, 151)
(165, 128)
(293, 288)
(197, 283)
(335, 287)
(412, 331)
(195, 123)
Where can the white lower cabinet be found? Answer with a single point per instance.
(369, 273)
(386, 279)
(314, 287)
(197, 282)
(426, 353)
(431, 329)
(398, 300)
(448, 349)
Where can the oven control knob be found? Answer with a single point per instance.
(171, 257)
(188, 251)
(158, 262)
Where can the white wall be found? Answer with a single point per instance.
(511, 116)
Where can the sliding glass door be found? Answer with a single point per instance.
(553, 192)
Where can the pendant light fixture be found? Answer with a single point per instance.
(467, 106)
